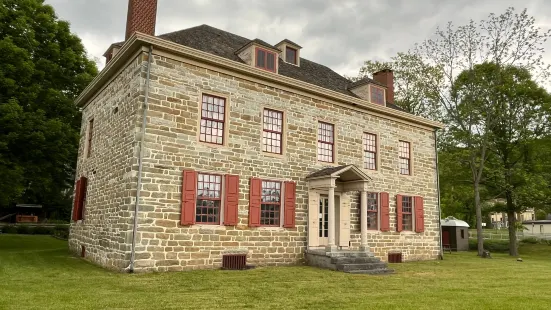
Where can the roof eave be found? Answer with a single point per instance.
(139, 39)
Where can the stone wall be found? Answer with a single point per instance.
(106, 228)
(172, 145)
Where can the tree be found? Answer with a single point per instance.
(506, 39)
(520, 109)
(44, 67)
(411, 83)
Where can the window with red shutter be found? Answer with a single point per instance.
(189, 197)
(419, 214)
(231, 200)
(372, 211)
(289, 204)
(82, 197)
(255, 197)
(76, 203)
(399, 217)
(270, 207)
(385, 212)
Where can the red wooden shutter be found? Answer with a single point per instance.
(255, 196)
(385, 212)
(290, 197)
(231, 199)
(399, 226)
(82, 196)
(189, 197)
(419, 214)
(76, 203)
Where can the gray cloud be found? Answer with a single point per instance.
(340, 34)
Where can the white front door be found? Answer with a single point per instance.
(323, 228)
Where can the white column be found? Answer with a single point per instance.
(331, 219)
(363, 220)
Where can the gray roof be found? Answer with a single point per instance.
(326, 171)
(537, 222)
(224, 44)
(290, 42)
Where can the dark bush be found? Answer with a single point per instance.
(41, 230)
(9, 229)
(496, 246)
(61, 231)
(23, 229)
(530, 240)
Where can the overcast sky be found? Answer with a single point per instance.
(340, 34)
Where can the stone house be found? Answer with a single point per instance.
(199, 143)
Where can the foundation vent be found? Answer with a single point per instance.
(234, 261)
(395, 257)
(82, 251)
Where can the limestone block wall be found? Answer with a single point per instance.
(105, 230)
(172, 145)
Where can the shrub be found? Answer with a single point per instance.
(10, 229)
(496, 246)
(41, 230)
(61, 231)
(23, 229)
(530, 240)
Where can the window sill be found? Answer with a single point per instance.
(271, 228)
(274, 155)
(325, 163)
(214, 145)
(209, 226)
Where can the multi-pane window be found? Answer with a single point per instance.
(270, 206)
(326, 144)
(89, 138)
(209, 190)
(377, 95)
(265, 59)
(291, 55)
(404, 152)
(372, 211)
(370, 151)
(407, 213)
(213, 110)
(272, 131)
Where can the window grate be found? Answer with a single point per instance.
(234, 261)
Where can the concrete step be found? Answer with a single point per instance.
(368, 266)
(350, 254)
(381, 271)
(354, 260)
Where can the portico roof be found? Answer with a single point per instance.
(345, 173)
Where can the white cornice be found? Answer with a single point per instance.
(139, 40)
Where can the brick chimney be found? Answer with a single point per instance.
(142, 17)
(386, 77)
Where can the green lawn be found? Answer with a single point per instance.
(36, 272)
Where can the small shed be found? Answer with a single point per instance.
(455, 234)
(541, 228)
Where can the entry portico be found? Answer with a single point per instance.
(329, 207)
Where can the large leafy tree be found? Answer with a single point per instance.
(412, 80)
(520, 108)
(43, 68)
(464, 103)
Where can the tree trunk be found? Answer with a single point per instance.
(511, 220)
(479, 236)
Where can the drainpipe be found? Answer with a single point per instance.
(130, 268)
(441, 255)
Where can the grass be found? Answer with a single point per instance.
(36, 272)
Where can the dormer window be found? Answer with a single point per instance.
(291, 55)
(265, 59)
(377, 95)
